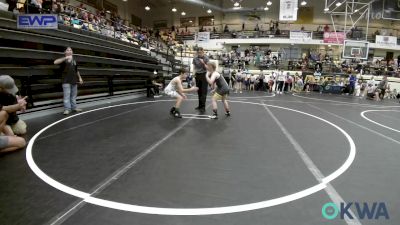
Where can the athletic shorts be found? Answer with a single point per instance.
(3, 142)
(173, 94)
(220, 97)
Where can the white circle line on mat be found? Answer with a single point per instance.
(379, 124)
(189, 211)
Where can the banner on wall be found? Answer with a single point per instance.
(334, 37)
(301, 35)
(305, 15)
(203, 37)
(37, 21)
(288, 10)
(386, 41)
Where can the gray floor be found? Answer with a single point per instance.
(138, 154)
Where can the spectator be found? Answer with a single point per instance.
(382, 86)
(154, 87)
(233, 79)
(35, 6)
(371, 92)
(352, 83)
(239, 78)
(271, 26)
(261, 79)
(271, 81)
(398, 61)
(252, 82)
(70, 78)
(319, 29)
(8, 97)
(299, 83)
(281, 77)
(289, 82)
(226, 29)
(326, 28)
(12, 5)
(8, 141)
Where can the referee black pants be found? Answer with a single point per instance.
(202, 84)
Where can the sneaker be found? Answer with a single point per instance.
(77, 110)
(227, 113)
(66, 112)
(177, 114)
(202, 111)
(172, 111)
(213, 117)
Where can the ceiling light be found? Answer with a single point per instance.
(269, 3)
(190, 21)
(303, 3)
(236, 4)
(326, 9)
(338, 4)
(174, 9)
(356, 10)
(266, 8)
(147, 8)
(183, 14)
(212, 19)
(124, 0)
(209, 11)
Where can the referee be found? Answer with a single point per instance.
(200, 68)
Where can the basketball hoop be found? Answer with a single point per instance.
(355, 49)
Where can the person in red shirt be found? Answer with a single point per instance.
(326, 28)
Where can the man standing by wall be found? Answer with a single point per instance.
(200, 69)
(70, 79)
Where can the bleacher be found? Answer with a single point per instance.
(108, 66)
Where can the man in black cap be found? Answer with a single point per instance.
(200, 67)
